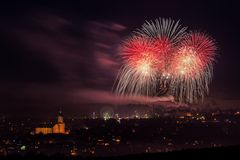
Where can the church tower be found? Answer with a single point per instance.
(60, 116)
(59, 127)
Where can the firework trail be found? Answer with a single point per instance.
(139, 74)
(167, 34)
(162, 58)
(191, 68)
(166, 31)
(146, 55)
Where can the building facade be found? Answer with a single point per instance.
(58, 128)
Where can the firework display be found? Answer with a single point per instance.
(162, 58)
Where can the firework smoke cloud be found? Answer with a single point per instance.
(163, 58)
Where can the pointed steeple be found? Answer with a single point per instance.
(60, 116)
(60, 111)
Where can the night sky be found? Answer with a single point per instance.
(66, 54)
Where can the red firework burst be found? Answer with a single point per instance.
(146, 54)
(196, 52)
(141, 53)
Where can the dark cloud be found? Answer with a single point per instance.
(69, 60)
(75, 58)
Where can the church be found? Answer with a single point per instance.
(58, 128)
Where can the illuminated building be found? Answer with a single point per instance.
(44, 130)
(58, 128)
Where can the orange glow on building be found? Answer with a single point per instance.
(43, 130)
(58, 128)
